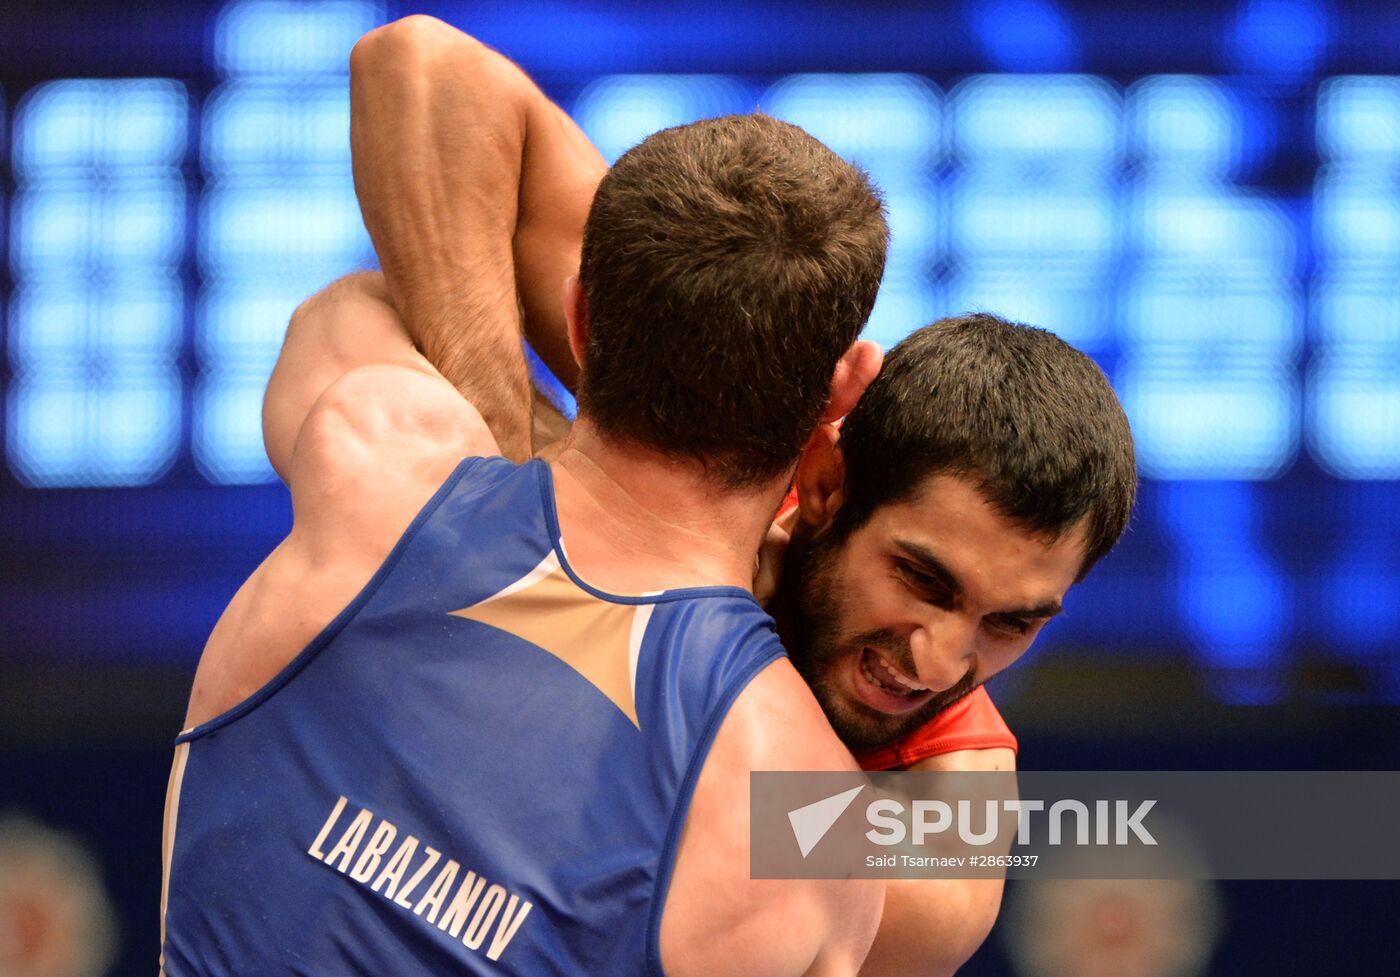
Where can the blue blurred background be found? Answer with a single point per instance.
(1205, 198)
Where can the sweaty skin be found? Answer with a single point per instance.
(929, 926)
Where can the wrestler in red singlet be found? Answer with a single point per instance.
(971, 723)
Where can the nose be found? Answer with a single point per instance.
(942, 653)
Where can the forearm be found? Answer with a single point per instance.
(932, 926)
(559, 175)
(437, 137)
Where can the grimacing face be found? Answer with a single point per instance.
(919, 606)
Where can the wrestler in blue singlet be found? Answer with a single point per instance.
(481, 766)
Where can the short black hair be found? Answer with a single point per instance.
(1029, 419)
(727, 265)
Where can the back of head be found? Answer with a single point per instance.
(1026, 417)
(727, 266)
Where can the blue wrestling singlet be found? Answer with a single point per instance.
(481, 766)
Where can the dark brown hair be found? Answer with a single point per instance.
(1025, 416)
(727, 266)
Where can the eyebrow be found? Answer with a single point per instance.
(936, 568)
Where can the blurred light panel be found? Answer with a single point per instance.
(1212, 317)
(1205, 222)
(1195, 420)
(911, 207)
(249, 230)
(1358, 119)
(903, 305)
(1006, 217)
(890, 124)
(1357, 216)
(1354, 416)
(1185, 123)
(80, 431)
(55, 329)
(279, 219)
(1024, 35)
(276, 127)
(228, 426)
(1065, 120)
(97, 236)
(619, 111)
(290, 38)
(81, 126)
(1361, 313)
(1033, 201)
(1280, 38)
(1256, 321)
(101, 227)
(1354, 382)
(1233, 597)
(1073, 307)
(243, 321)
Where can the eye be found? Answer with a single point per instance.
(917, 576)
(924, 586)
(921, 580)
(1013, 627)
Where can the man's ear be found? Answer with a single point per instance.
(576, 316)
(821, 477)
(855, 371)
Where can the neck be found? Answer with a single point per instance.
(635, 519)
(783, 606)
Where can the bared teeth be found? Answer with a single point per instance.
(898, 677)
(881, 683)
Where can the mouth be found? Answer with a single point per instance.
(885, 688)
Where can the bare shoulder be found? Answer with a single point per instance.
(717, 920)
(375, 447)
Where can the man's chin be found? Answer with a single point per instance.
(863, 729)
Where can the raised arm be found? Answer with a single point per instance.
(437, 130)
(449, 136)
(438, 117)
(363, 430)
(360, 424)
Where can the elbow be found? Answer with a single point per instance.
(310, 316)
(931, 927)
(357, 286)
(408, 41)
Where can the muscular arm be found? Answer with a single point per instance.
(363, 430)
(359, 423)
(449, 138)
(348, 325)
(717, 920)
(930, 927)
(436, 133)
